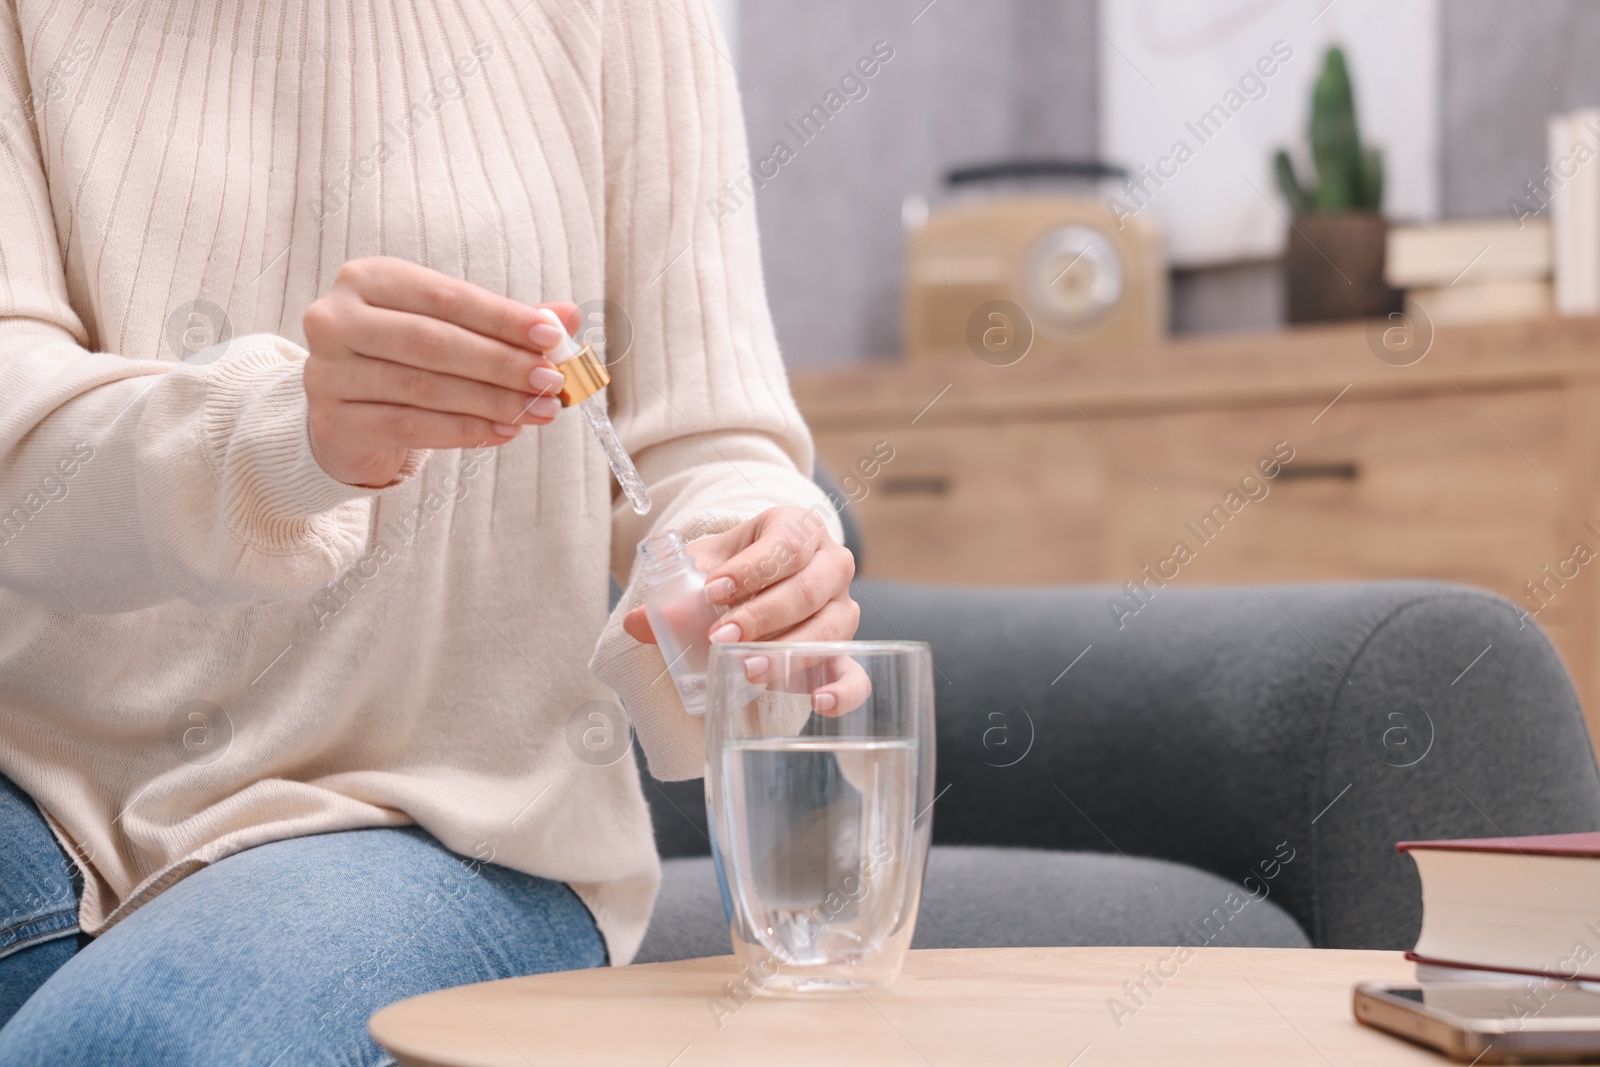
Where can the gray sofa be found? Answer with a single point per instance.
(1232, 766)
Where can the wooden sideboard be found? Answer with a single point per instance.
(1476, 464)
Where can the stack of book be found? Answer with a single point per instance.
(1469, 272)
(1523, 905)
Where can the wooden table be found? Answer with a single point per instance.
(1051, 1006)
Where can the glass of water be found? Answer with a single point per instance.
(820, 819)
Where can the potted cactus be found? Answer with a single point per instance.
(1336, 245)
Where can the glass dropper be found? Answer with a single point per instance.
(586, 376)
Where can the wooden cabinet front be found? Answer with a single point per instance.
(1477, 468)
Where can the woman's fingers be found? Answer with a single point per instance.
(800, 595)
(847, 692)
(393, 426)
(836, 620)
(428, 344)
(637, 626)
(361, 380)
(403, 286)
(838, 685)
(786, 541)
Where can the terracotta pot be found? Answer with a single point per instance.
(1335, 268)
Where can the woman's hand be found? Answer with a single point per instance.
(786, 579)
(404, 357)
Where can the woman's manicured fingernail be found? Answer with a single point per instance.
(726, 633)
(544, 335)
(546, 380)
(544, 407)
(755, 667)
(719, 590)
(506, 431)
(823, 702)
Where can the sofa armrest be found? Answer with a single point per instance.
(1296, 730)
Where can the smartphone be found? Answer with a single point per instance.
(1530, 1022)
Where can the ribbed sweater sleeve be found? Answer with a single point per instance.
(132, 478)
(701, 399)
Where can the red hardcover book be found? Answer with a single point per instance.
(1526, 905)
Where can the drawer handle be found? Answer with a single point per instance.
(917, 485)
(1347, 472)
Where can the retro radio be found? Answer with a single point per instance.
(993, 273)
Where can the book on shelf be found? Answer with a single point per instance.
(1474, 252)
(1467, 303)
(1523, 905)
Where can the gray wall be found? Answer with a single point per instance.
(971, 80)
(983, 79)
(1507, 65)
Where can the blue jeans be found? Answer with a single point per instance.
(276, 955)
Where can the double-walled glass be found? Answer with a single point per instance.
(820, 819)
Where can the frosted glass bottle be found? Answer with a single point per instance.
(679, 616)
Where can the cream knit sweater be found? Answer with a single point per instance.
(207, 643)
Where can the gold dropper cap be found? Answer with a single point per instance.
(585, 374)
